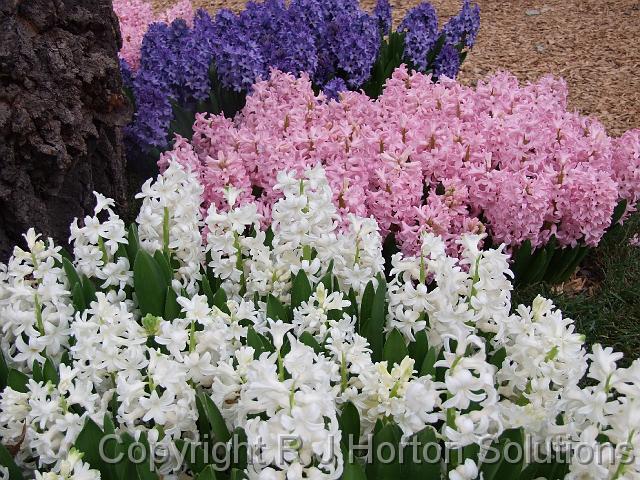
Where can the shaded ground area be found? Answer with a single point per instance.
(591, 43)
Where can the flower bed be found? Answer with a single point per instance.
(213, 64)
(192, 328)
(442, 158)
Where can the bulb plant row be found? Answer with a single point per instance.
(174, 69)
(501, 158)
(191, 327)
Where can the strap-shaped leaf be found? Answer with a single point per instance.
(366, 306)
(395, 348)
(133, 243)
(17, 380)
(560, 262)
(307, 339)
(88, 442)
(71, 273)
(206, 288)
(216, 421)
(618, 212)
(582, 252)
(258, 342)
(418, 349)
(350, 424)
(275, 310)
(352, 469)
(386, 455)
(149, 284)
(220, 300)
(182, 122)
(239, 448)
(4, 372)
(552, 470)
(89, 290)
(327, 278)
(498, 357)
(352, 309)
(36, 372)
(536, 270)
(422, 455)
(172, 308)
(521, 260)
(163, 265)
(300, 290)
(50, 372)
(374, 329)
(145, 470)
(506, 463)
(207, 474)
(6, 460)
(237, 474)
(77, 295)
(428, 364)
(194, 455)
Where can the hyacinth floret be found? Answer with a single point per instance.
(237, 57)
(194, 59)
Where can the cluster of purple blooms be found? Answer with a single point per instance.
(334, 41)
(420, 28)
(174, 67)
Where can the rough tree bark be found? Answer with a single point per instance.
(61, 109)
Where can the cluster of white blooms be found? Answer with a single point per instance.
(97, 243)
(71, 468)
(268, 325)
(305, 236)
(469, 379)
(296, 394)
(170, 219)
(473, 293)
(45, 420)
(379, 393)
(35, 305)
(544, 356)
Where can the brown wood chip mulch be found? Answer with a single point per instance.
(593, 44)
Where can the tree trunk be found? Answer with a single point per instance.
(61, 109)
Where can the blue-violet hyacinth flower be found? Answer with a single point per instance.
(420, 27)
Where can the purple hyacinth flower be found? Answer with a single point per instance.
(420, 27)
(355, 40)
(464, 26)
(447, 62)
(238, 58)
(333, 88)
(382, 13)
(153, 89)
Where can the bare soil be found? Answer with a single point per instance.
(593, 44)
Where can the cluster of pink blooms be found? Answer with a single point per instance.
(504, 158)
(135, 17)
